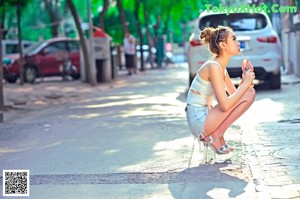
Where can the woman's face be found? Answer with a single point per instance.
(232, 44)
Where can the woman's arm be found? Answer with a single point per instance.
(226, 102)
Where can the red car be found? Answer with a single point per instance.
(53, 57)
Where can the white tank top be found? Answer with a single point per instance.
(206, 96)
(129, 48)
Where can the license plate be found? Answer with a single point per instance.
(242, 45)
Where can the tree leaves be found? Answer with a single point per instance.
(173, 15)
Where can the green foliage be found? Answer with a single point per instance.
(175, 16)
(17, 2)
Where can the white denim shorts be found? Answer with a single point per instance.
(196, 116)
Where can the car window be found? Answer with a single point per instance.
(34, 47)
(237, 21)
(73, 46)
(56, 47)
(26, 45)
(11, 48)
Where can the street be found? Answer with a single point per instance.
(132, 141)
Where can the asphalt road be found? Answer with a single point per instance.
(126, 141)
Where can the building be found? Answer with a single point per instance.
(291, 37)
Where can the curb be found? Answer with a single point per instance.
(258, 181)
(253, 163)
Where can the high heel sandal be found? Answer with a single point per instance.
(209, 155)
(208, 141)
(228, 148)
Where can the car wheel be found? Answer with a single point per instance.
(30, 74)
(275, 80)
(11, 79)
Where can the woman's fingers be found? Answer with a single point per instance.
(250, 65)
(246, 64)
(250, 73)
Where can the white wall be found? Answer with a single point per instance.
(297, 57)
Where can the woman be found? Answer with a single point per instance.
(209, 123)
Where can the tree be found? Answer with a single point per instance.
(102, 13)
(122, 16)
(169, 5)
(148, 33)
(2, 18)
(54, 15)
(19, 4)
(138, 24)
(82, 42)
(1, 63)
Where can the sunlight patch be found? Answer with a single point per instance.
(86, 116)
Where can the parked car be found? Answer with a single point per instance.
(53, 57)
(258, 42)
(11, 46)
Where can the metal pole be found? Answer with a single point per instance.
(92, 71)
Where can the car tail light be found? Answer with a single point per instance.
(270, 39)
(196, 42)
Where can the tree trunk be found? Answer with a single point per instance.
(1, 63)
(82, 43)
(156, 27)
(141, 38)
(1, 73)
(52, 9)
(122, 16)
(21, 63)
(168, 18)
(2, 17)
(155, 39)
(149, 37)
(102, 13)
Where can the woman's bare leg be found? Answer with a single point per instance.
(218, 121)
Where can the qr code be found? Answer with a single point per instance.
(16, 183)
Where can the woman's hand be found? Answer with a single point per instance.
(248, 77)
(246, 65)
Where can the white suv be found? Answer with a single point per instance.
(258, 42)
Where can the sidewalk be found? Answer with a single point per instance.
(271, 139)
(20, 100)
(290, 79)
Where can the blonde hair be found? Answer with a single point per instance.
(212, 37)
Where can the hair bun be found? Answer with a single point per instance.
(206, 34)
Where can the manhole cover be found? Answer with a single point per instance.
(288, 153)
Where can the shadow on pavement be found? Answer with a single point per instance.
(206, 182)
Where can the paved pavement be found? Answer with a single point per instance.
(271, 132)
(177, 171)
